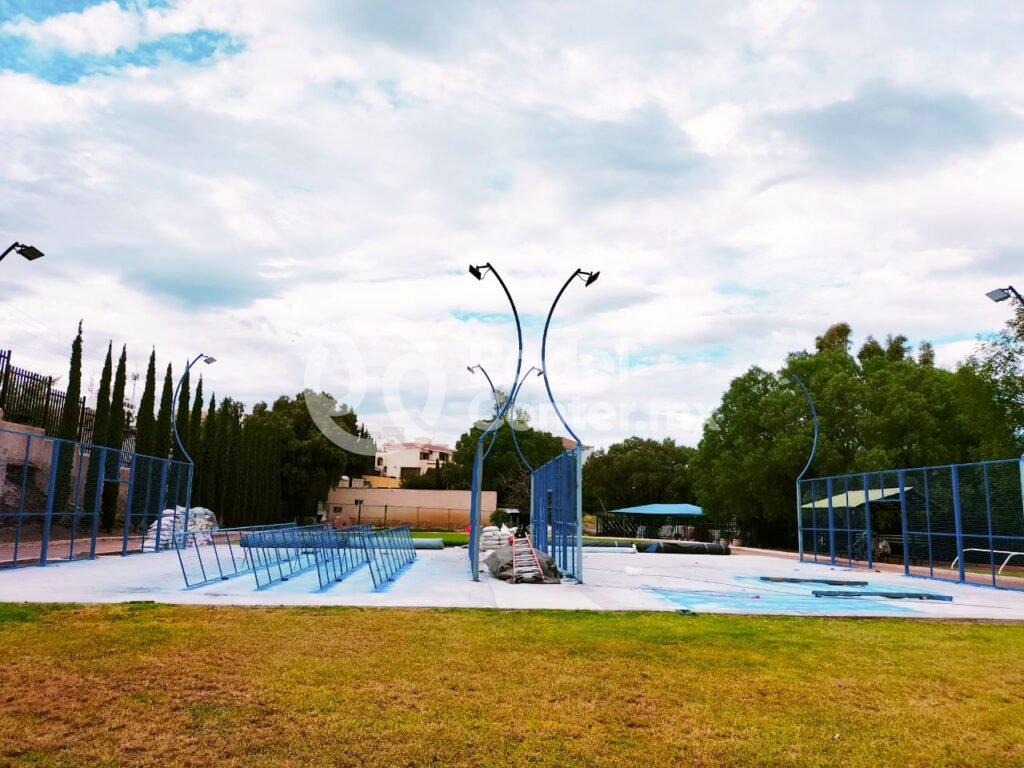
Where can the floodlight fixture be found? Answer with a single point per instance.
(29, 252)
(208, 359)
(1002, 294)
(589, 278)
(480, 271)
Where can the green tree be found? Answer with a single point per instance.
(637, 471)
(182, 416)
(69, 423)
(115, 440)
(162, 438)
(503, 470)
(99, 431)
(145, 425)
(310, 463)
(999, 361)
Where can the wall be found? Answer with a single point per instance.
(435, 510)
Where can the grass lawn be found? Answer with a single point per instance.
(450, 538)
(208, 686)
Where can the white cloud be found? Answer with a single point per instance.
(326, 186)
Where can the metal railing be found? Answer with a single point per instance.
(555, 501)
(952, 521)
(65, 500)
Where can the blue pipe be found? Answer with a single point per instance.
(544, 363)
(814, 448)
(177, 437)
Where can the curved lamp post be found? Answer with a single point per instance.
(174, 423)
(480, 272)
(814, 448)
(588, 278)
(30, 252)
(1002, 294)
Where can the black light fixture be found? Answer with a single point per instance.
(479, 271)
(30, 252)
(588, 278)
(209, 359)
(1002, 294)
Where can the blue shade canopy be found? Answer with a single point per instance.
(664, 510)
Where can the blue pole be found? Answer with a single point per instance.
(177, 437)
(543, 357)
(814, 448)
(475, 502)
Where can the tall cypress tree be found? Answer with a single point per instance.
(181, 419)
(99, 426)
(209, 471)
(69, 418)
(162, 440)
(195, 433)
(99, 433)
(69, 421)
(115, 440)
(145, 426)
(195, 423)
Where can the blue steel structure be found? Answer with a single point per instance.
(962, 522)
(814, 449)
(276, 553)
(174, 424)
(51, 492)
(479, 272)
(556, 492)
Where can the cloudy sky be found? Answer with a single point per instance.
(297, 187)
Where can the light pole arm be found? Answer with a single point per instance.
(814, 416)
(174, 407)
(10, 248)
(519, 327)
(544, 362)
(1020, 299)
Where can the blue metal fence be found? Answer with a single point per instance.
(963, 522)
(52, 492)
(340, 553)
(556, 518)
(207, 557)
(389, 552)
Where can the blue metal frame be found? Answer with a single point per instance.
(949, 516)
(177, 437)
(477, 486)
(69, 508)
(555, 494)
(814, 449)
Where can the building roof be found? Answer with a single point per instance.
(664, 510)
(855, 499)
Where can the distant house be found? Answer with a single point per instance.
(401, 460)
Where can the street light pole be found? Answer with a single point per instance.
(588, 278)
(29, 252)
(1002, 294)
(814, 447)
(174, 424)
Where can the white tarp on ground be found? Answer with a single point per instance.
(172, 521)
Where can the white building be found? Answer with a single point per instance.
(396, 459)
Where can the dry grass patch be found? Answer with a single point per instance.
(202, 686)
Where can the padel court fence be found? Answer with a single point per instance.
(276, 553)
(960, 522)
(556, 515)
(62, 500)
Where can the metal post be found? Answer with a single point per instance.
(128, 502)
(831, 523)
(814, 448)
(988, 516)
(101, 478)
(161, 500)
(903, 516)
(48, 514)
(867, 521)
(956, 522)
